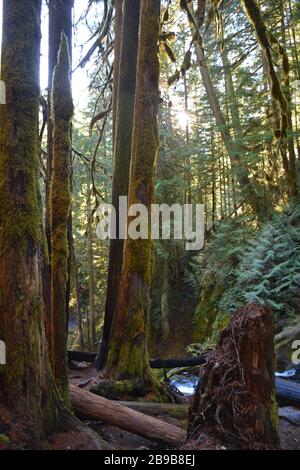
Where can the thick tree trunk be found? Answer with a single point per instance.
(62, 112)
(236, 398)
(128, 353)
(91, 406)
(28, 386)
(122, 156)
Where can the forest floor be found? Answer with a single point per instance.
(121, 440)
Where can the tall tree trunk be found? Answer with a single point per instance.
(122, 156)
(28, 386)
(91, 277)
(78, 302)
(117, 58)
(62, 112)
(165, 324)
(128, 353)
(60, 20)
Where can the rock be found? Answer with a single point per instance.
(291, 414)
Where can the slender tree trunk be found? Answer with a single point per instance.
(28, 385)
(117, 58)
(165, 298)
(62, 112)
(78, 302)
(91, 277)
(60, 20)
(128, 353)
(122, 156)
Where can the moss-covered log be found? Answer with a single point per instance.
(62, 112)
(89, 405)
(235, 400)
(128, 353)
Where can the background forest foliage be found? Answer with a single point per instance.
(252, 229)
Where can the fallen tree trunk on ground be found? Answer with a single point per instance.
(287, 391)
(83, 356)
(158, 409)
(97, 408)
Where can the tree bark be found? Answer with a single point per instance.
(78, 301)
(28, 385)
(60, 20)
(94, 407)
(122, 157)
(117, 58)
(235, 400)
(60, 197)
(90, 264)
(128, 353)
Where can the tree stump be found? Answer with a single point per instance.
(235, 399)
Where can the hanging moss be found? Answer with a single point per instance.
(62, 112)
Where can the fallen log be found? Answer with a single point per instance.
(98, 408)
(287, 391)
(158, 409)
(81, 356)
(84, 356)
(170, 363)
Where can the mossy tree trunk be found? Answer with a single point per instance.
(62, 112)
(117, 57)
(122, 154)
(128, 354)
(60, 20)
(78, 300)
(28, 386)
(90, 266)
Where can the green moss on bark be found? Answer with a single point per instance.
(62, 112)
(128, 353)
